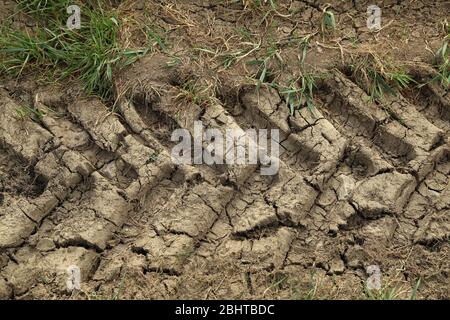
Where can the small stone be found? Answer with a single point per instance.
(45, 245)
(337, 266)
(355, 256)
(346, 186)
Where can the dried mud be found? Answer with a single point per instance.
(359, 184)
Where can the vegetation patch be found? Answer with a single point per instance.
(90, 54)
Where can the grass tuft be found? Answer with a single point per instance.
(393, 292)
(328, 21)
(442, 63)
(193, 91)
(300, 92)
(29, 113)
(90, 54)
(378, 76)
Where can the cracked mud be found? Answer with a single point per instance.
(358, 185)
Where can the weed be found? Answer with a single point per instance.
(379, 77)
(26, 112)
(442, 63)
(278, 281)
(157, 38)
(235, 56)
(383, 294)
(152, 158)
(245, 33)
(53, 11)
(392, 293)
(328, 23)
(309, 293)
(91, 54)
(174, 61)
(300, 92)
(414, 291)
(312, 292)
(193, 92)
(268, 5)
(266, 8)
(263, 73)
(303, 46)
(117, 294)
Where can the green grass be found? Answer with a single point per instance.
(389, 83)
(26, 112)
(155, 36)
(45, 8)
(265, 6)
(300, 92)
(443, 63)
(153, 157)
(303, 47)
(194, 92)
(379, 77)
(383, 294)
(263, 72)
(328, 23)
(90, 54)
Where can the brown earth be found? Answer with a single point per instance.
(360, 183)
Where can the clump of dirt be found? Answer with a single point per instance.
(363, 180)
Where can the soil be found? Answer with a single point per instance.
(360, 183)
